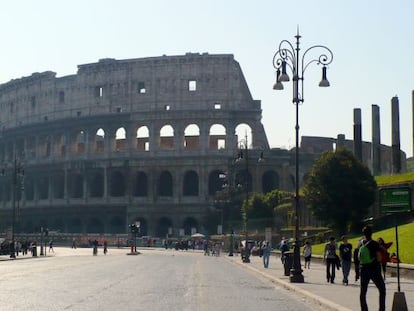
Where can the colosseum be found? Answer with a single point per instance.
(120, 141)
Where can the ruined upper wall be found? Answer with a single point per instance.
(192, 82)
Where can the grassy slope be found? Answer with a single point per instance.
(405, 242)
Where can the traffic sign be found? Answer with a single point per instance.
(395, 199)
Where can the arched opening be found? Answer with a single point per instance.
(244, 136)
(120, 140)
(190, 226)
(94, 225)
(96, 185)
(217, 137)
(167, 137)
(80, 142)
(190, 184)
(58, 184)
(60, 145)
(117, 184)
(43, 187)
(192, 137)
(243, 178)
(28, 188)
(165, 184)
(215, 181)
(99, 141)
(270, 181)
(75, 225)
(143, 139)
(141, 185)
(164, 227)
(76, 186)
(116, 225)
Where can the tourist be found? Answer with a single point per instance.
(345, 253)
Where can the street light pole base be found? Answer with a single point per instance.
(296, 276)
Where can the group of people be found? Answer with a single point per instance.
(370, 262)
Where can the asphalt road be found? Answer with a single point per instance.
(154, 280)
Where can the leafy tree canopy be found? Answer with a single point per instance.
(339, 190)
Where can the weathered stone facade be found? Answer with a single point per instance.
(124, 140)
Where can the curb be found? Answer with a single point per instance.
(326, 304)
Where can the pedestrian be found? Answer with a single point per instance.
(51, 246)
(345, 253)
(284, 247)
(331, 259)
(307, 253)
(266, 249)
(370, 265)
(356, 261)
(385, 256)
(95, 247)
(105, 245)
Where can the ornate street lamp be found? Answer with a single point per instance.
(288, 57)
(17, 190)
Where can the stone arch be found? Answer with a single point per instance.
(117, 184)
(163, 226)
(58, 185)
(190, 225)
(192, 137)
(99, 141)
(96, 185)
(217, 137)
(94, 225)
(75, 225)
(76, 186)
(140, 184)
(270, 181)
(190, 184)
(44, 146)
(215, 182)
(165, 184)
(143, 139)
(120, 140)
(116, 225)
(166, 140)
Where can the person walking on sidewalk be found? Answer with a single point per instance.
(266, 249)
(370, 263)
(331, 259)
(345, 253)
(307, 253)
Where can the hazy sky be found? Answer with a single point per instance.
(372, 42)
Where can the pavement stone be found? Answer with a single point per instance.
(335, 297)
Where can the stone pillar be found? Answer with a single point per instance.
(376, 141)
(340, 141)
(357, 134)
(395, 136)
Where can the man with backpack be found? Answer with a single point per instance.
(370, 269)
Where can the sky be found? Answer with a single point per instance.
(372, 42)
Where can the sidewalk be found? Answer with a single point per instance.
(329, 296)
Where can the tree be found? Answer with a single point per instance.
(339, 190)
(261, 207)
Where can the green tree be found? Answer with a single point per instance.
(339, 190)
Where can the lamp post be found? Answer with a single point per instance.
(244, 156)
(288, 56)
(18, 188)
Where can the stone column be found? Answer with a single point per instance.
(340, 141)
(376, 141)
(395, 136)
(357, 134)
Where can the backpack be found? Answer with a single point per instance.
(364, 254)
